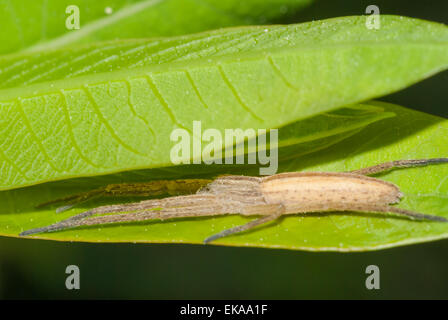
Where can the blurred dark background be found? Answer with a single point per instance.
(36, 268)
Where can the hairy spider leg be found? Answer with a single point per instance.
(174, 207)
(414, 215)
(73, 200)
(386, 166)
(278, 210)
(143, 189)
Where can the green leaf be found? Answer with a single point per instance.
(409, 135)
(296, 139)
(41, 24)
(111, 107)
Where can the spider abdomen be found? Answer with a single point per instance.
(321, 191)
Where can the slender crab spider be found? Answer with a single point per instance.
(269, 197)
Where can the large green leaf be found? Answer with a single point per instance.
(296, 139)
(111, 107)
(41, 24)
(300, 138)
(409, 135)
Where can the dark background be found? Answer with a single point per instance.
(36, 268)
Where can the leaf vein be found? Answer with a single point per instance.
(195, 88)
(134, 111)
(164, 104)
(280, 74)
(236, 95)
(17, 168)
(108, 126)
(71, 133)
(33, 135)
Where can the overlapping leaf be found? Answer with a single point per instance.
(111, 107)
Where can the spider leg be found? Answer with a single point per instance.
(75, 199)
(390, 209)
(174, 207)
(179, 201)
(386, 166)
(416, 215)
(144, 189)
(86, 221)
(278, 211)
(130, 207)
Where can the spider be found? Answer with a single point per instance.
(269, 197)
